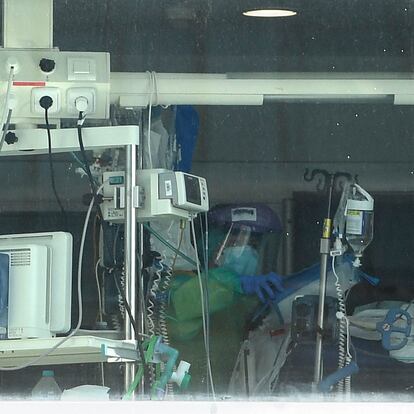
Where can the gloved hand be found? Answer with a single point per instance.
(264, 286)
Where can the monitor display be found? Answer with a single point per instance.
(192, 189)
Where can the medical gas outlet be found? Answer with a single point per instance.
(161, 194)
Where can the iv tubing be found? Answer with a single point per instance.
(162, 240)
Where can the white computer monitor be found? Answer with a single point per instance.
(39, 283)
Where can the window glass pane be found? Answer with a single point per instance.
(295, 285)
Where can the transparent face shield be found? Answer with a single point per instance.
(237, 251)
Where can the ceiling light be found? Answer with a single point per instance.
(270, 13)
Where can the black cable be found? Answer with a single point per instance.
(52, 171)
(86, 165)
(133, 323)
(5, 128)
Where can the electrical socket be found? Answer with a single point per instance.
(12, 63)
(38, 93)
(74, 93)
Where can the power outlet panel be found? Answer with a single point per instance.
(67, 75)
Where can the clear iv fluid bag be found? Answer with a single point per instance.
(340, 217)
(359, 242)
(359, 214)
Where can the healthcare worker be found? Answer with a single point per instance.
(243, 249)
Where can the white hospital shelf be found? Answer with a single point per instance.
(77, 349)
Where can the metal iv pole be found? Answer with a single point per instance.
(130, 253)
(325, 248)
(133, 275)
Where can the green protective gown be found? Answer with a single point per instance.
(229, 311)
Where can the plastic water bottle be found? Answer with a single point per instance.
(47, 387)
(359, 221)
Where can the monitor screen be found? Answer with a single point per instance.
(192, 189)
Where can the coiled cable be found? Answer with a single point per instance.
(121, 304)
(344, 356)
(153, 309)
(162, 315)
(157, 308)
(115, 322)
(151, 317)
(163, 304)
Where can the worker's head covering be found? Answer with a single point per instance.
(244, 237)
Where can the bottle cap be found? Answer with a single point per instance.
(364, 205)
(48, 373)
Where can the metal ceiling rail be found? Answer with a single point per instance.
(139, 89)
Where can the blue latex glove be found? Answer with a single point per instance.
(264, 286)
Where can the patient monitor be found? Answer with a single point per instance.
(39, 284)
